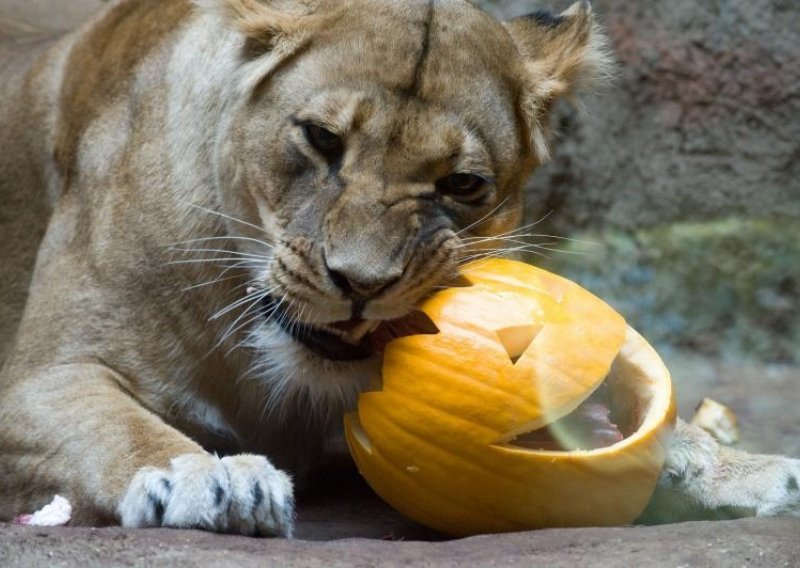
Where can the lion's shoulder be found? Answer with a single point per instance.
(105, 60)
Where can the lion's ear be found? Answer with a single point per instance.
(561, 54)
(265, 21)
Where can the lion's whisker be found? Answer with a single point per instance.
(209, 283)
(517, 229)
(226, 264)
(498, 253)
(224, 251)
(243, 325)
(483, 219)
(298, 319)
(254, 300)
(285, 317)
(224, 238)
(212, 260)
(477, 246)
(235, 326)
(223, 215)
(519, 247)
(238, 303)
(511, 235)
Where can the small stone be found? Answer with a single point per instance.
(718, 420)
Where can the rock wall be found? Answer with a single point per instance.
(686, 173)
(702, 121)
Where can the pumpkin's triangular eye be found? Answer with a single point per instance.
(517, 339)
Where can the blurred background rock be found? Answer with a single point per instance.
(680, 185)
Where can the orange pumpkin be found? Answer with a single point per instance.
(459, 433)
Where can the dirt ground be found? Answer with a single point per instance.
(749, 543)
(344, 524)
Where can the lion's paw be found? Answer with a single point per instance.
(782, 490)
(241, 494)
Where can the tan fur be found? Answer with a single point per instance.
(162, 147)
(559, 59)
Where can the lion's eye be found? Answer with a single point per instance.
(324, 141)
(461, 186)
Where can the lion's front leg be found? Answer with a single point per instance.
(73, 430)
(702, 479)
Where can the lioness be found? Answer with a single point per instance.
(233, 196)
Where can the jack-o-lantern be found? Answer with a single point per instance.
(531, 404)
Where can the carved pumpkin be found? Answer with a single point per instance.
(488, 424)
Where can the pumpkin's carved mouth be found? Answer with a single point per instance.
(595, 424)
(614, 412)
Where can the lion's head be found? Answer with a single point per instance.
(374, 140)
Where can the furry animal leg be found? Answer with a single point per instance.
(702, 479)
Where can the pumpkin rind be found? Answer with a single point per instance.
(433, 441)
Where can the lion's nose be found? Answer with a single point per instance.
(360, 283)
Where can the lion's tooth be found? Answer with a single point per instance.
(357, 333)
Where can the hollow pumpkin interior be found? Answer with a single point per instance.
(636, 393)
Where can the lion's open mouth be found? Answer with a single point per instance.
(351, 340)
